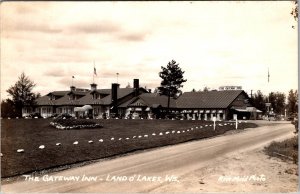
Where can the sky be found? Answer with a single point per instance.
(215, 43)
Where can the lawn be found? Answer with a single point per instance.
(116, 137)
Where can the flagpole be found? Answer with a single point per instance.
(94, 73)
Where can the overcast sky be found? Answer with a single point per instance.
(215, 43)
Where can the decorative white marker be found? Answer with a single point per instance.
(236, 120)
(20, 150)
(145, 135)
(160, 133)
(42, 147)
(214, 120)
(134, 137)
(139, 136)
(112, 139)
(178, 131)
(173, 131)
(1, 154)
(91, 141)
(120, 139)
(167, 132)
(127, 138)
(58, 144)
(153, 134)
(101, 140)
(75, 142)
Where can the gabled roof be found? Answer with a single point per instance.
(79, 93)
(122, 92)
(102, 91)
(209, 99)
(153, 100)
(44, 100)
(87, 97)
(58, 93)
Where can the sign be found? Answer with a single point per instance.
(214, 120)
(268, 104)
(234, 116)
(236, 120)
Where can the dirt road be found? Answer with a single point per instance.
(158, 170)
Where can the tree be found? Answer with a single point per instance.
(172, 79)
(22, 94)
(7, 109)
(277, 101)
(292, 102)
(294, 12)
(259, 101)
(193, 90)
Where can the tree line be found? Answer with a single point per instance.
(279, 102)
(172, 80)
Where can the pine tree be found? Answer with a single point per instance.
(172, 79)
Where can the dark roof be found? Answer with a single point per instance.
(58, 93)
(44, 100)
(80, 93)
(151, 100)
(210, 99)
(102, 91)
(85, 99)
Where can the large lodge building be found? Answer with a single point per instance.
(222, 104)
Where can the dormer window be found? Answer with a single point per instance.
(72, 97)
(51, 97)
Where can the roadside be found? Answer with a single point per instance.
(265, 174)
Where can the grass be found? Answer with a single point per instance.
(29, 134)
(286, 150)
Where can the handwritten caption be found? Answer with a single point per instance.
(249, 178)
(107, 178)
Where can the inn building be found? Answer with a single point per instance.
(222, 104)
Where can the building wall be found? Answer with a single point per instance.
(241, 101)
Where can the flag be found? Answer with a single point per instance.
(95, 71)
(268, 76)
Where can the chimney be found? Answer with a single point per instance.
(93, 87)
(136, 86)
(72, 88)
(114, 96)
